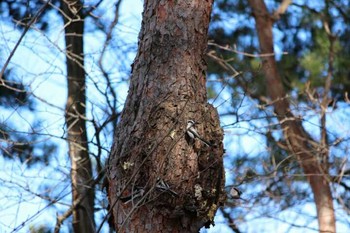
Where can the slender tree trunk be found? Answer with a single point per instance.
(81, 172)
(300, 143)
(167, 89)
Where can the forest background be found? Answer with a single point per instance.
(311, 49)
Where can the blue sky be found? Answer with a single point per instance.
(39, 63)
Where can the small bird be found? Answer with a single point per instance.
(137, 192)
(235, 193)
(192, 132)
(164, 187)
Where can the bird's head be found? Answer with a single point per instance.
(191, 122)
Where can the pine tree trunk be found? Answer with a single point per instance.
(81, 171)
(300, 143)
(168, 88)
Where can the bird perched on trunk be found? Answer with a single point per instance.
(193, 134)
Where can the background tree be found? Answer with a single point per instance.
(301, 88)
(150, 151)
(81, 171)
(37, 146)
(299, 143)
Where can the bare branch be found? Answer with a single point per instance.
(282, 9)
(227, 48)
(32, 21)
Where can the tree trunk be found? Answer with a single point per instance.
(300, 143)
(168, 88)
(81, 171)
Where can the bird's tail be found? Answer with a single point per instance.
(205, 142)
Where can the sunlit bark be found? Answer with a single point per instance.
(168, 88)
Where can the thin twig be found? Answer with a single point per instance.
(227, 48)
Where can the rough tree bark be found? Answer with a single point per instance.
(81, 171)
(300, 143)
(168, 88)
